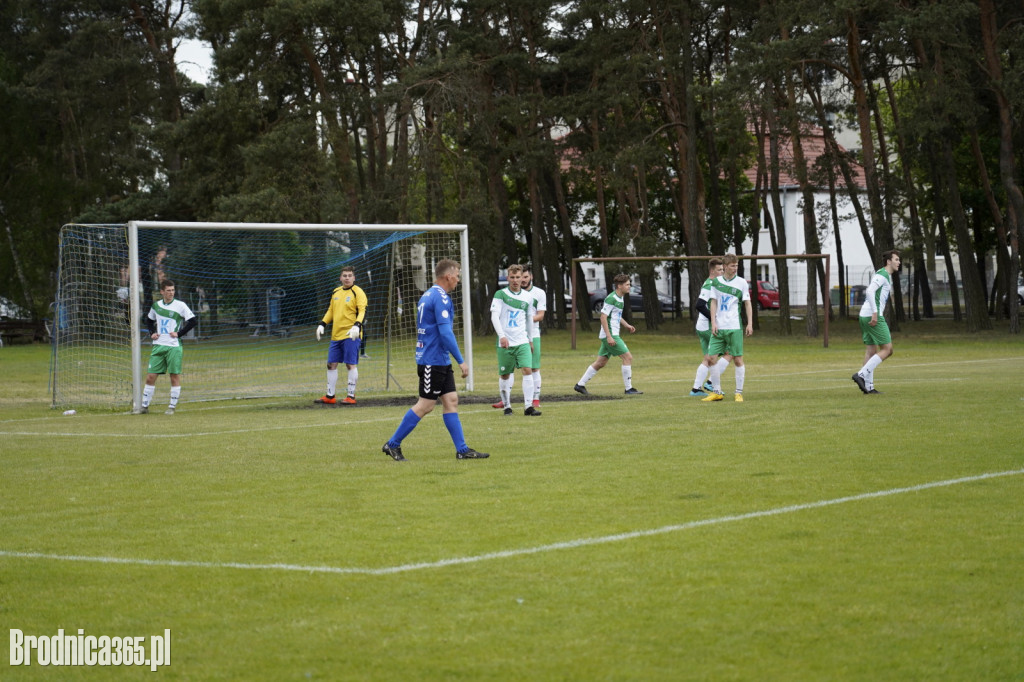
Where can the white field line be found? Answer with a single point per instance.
(190, 434)
(510, 553)
(894, 366)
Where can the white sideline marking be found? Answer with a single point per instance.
(508, 553)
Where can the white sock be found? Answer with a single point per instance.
(715, 375)
(332, 380)
(536, 384)
(147, 394)
(627, 376)
(353, 379)
(588, 375)
(505, 391)
(869, 380)
(175, 394)
(722, 364)
(702, 376)
(741, 374)
(870, 365)
(528, 390)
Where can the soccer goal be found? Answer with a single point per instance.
(259, 290)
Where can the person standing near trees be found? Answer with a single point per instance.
(436, 345)
(727, 292)
(345, 315)
(512, 319)
(168, 320)
(611, 342)
(703, 328)
(873, 327)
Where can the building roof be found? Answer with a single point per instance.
(812, 142)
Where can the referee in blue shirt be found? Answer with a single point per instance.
(435, 340)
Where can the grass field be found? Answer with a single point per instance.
(809, 533)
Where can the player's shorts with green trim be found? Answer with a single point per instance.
(877, 335)
(608, 351)
(705, 340)
(726, 342)
(512, 358)
(535, 364)
(165, 360)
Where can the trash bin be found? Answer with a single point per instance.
(857, 294)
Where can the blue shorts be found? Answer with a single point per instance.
(346, 351)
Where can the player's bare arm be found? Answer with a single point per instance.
(714, 316)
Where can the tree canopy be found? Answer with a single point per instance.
(553, 129)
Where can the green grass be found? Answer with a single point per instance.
(908, 584)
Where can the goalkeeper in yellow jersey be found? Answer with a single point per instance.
(345, 316)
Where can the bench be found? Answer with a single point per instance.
(25, 331)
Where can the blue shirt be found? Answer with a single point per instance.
(435, 337)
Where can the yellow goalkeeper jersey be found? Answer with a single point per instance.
(348, 306)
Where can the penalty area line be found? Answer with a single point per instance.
(511, 553)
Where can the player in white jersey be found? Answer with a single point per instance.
(874, 330)
(611, 342)
(701, 384)
(538, 300)
(512, 319)
(727, 293)
(168, 320)
(539, 305)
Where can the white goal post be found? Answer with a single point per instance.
(667, 259)
(258, 289)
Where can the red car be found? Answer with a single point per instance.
(767, 296)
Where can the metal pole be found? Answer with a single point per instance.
(134, 291)
(467, 330)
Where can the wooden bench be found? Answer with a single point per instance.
(20, 331)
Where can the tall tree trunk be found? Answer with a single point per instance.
(1007, 158)
(916, 232)
(882, 239)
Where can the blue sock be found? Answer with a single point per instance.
(454, 426)
(409, 422)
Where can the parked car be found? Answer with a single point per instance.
(1020, 294)
(636, 301)
(767, 295)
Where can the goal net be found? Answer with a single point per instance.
(259, 291)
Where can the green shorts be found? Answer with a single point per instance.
(536, 353)
(705, 340)
(727, 342)
(165, 360)
(619, 348)
(512, 358)
(877, 335)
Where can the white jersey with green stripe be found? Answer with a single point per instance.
(169, 317)
(538, 302)
(730, 294)
(877, 294)
(703, 323)
(510, 316)
(613, 306)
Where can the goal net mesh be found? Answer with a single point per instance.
(259, 295)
